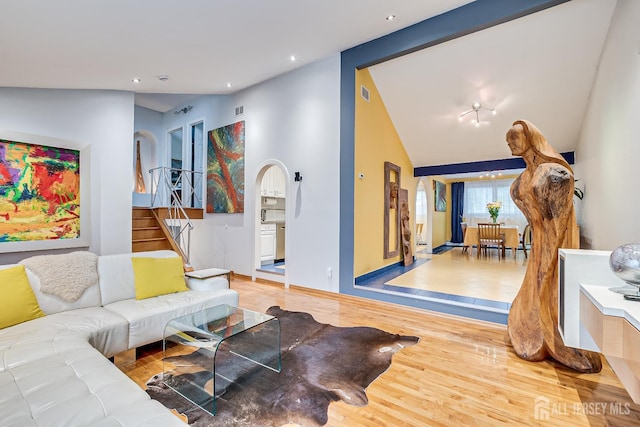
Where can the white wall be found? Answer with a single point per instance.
(208, 243)
(293, 119)
(101, 120)
(608, 153)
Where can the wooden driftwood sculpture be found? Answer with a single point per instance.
(544, 194)
(391, 232)
(405, 227)
(140, 187)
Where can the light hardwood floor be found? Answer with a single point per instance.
(461, 373)
(458, 273)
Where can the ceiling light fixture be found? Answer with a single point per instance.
(292, 58)
(390, 17)
(162, 77)
(229, 84)
(475, 110)
(491, 174)
(136, 80)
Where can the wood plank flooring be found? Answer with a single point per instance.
(461, 373)
(458, 273)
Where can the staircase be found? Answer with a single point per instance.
(147, 234)
(167, 223)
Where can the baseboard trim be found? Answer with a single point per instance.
(370, 275)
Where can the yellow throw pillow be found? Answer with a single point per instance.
(18, 303)
(158, 276)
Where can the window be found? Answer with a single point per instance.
(478, 193)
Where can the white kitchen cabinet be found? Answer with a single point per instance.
(279, 184)
(273, 183)
(266, 188)
(267, 243)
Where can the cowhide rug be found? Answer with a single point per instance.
(320, 364)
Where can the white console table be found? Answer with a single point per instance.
(209, 279)
(614, 325)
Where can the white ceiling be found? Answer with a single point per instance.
(539, 67)
(200, 44)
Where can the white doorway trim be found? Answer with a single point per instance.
(428, 189)
(262, 168)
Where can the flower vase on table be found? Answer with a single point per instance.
(494, 210)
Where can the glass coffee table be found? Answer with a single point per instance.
(207, 351)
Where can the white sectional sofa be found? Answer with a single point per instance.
(54, 369)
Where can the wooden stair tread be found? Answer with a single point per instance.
(150, 239)
(147, 226)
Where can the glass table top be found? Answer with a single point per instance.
(216, 323)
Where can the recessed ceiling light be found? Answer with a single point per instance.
(229, 84)
(136, 80)
(163, 77)
(390, 17)
(292, 58)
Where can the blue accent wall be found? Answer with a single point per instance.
(467, 19)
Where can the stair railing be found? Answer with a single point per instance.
(171, 188)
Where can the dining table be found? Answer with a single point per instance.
(511, 237)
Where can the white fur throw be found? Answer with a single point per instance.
(64, 276)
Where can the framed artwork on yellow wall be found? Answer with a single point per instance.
(440, 196)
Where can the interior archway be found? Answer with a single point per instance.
(422, 224)
(271, 214)
(148, 160)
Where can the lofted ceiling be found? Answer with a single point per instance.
(540, 67)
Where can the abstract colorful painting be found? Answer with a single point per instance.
(225, 169)
(39, 192)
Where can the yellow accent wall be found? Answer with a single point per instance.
(440, 221)
(376, 141)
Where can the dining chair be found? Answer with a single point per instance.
(489, 235)
(526, 239)
(463, 225)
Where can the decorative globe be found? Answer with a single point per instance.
(624, 261)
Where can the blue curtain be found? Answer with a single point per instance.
(457, 211)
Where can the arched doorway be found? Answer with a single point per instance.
(270, 224)
(145, 157)
(421, 214)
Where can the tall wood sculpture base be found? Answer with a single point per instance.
(405, 227)
(140, 187)
(544, 193)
